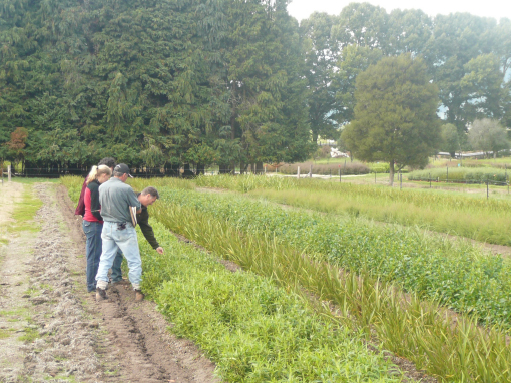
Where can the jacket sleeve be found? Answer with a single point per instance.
(95, 207)
(147, 230)
(80, 209)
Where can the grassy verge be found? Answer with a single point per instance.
(24, 212)
(412, 328)
(252, 330)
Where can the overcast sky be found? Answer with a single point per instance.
(301, 9)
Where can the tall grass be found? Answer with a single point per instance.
(322, 168)
(252, 330)
(471, 223)
(470, 174)
(475, 218)
(403, 324)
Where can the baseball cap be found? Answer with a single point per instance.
(122, 168)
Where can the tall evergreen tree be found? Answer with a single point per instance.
(395, 116)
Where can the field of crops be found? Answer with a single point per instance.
(390, 286)
(480, 174)
(463, 215)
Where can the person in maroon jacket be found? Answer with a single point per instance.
(93, 222)
(80, 209)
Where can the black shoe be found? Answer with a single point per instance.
(100, 295)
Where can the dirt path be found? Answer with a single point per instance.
(67, 335)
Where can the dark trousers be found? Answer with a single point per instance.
(93, 249)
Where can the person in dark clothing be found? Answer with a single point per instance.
(93, 222)
(80, 209)
(147, 197)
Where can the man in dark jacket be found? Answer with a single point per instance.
(147, 197)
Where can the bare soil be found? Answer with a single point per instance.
(67, 335)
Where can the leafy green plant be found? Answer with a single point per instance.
(457, 275)
(405, 324)
(253, 330)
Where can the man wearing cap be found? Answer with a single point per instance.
(116, 198)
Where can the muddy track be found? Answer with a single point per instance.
(119, 340)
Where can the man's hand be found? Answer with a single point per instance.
(159, 250)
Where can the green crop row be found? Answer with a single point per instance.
(252, 330)
(459, 276)
(453, 351)
(480, 174)
(466, 216)
(478, 225)
(73, 185)
(418, 331)
(382, 194)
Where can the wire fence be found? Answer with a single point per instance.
(145, 172)
(50, 172)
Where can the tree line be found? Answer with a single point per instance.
(230, 82)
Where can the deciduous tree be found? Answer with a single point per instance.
(488, 135)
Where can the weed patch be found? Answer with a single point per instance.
(4, 334)
(30, 335)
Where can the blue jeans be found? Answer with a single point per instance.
(92, 231)
(125, 240)
(116, 275)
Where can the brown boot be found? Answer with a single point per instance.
(100, 295)
(139, 296)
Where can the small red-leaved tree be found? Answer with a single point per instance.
(17, 144)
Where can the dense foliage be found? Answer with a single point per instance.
(394, 119)
(152, 82)
(229, 82)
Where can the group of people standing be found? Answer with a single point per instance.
(105, 203)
